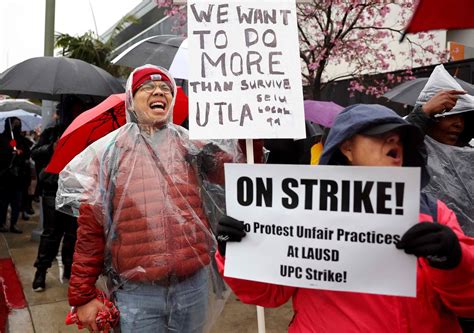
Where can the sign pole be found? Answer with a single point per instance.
(260, 309)
(249, 149)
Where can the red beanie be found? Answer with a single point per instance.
(147, 74)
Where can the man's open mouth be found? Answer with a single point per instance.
(157, 106)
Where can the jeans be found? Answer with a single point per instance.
(180, 307)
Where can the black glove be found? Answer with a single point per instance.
(434, 241)
(228, 230)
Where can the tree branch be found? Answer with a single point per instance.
(308, 42)
(351, 26)
(343, 23)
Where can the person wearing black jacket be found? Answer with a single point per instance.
(57, 226)
(14, 154)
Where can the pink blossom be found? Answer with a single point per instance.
(384, 11)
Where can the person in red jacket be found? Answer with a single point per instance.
(373, 135)
(141, 220)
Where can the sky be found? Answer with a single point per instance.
(22, 23)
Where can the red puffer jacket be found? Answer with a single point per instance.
(441, 296)
(158, 227)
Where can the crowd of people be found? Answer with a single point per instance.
(23, 179)
(144, 207)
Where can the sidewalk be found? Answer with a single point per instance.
(46, 311)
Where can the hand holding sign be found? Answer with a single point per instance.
(229, 229)
(323, 236)
(436, 242)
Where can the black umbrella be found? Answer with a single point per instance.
(408, 92)
(167, 51)
(51, 77)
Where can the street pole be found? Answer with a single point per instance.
(49, 28)
(47, 107)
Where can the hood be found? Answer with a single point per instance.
(129, 105)
(356, 118)
(7, 127)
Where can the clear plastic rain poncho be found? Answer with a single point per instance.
(452, 180)
(157, 196)
(451, 167)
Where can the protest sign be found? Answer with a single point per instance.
(324, 227)
(245, 73)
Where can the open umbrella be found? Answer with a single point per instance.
(321, 112)
(167, 51)
(22, 104)
(51, 77)
(97, 122)
(29, 121)
(441, 14)
(408, 92)
(86, 128)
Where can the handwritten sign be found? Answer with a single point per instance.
(245, 74)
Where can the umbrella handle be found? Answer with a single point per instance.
(11, 132)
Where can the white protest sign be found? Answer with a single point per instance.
(245, 73)
(323, 227)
